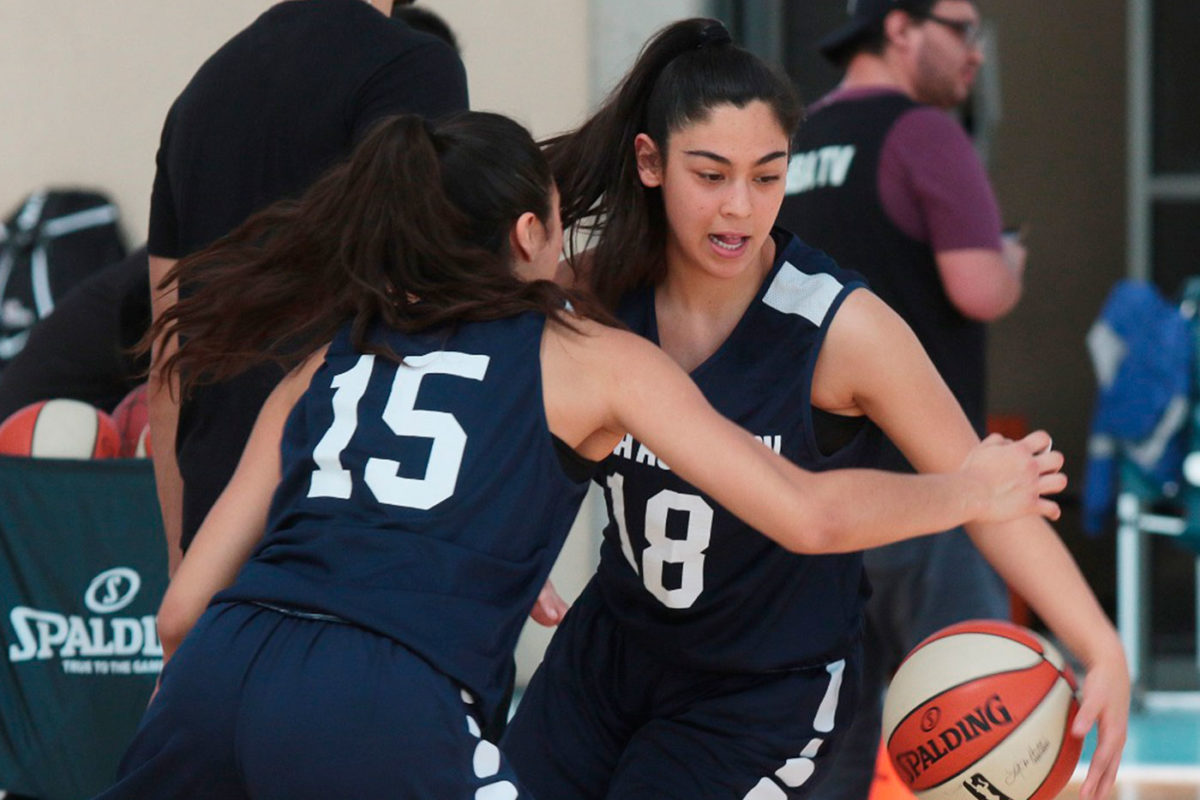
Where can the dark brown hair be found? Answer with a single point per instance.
(411, 231)
(689, 68)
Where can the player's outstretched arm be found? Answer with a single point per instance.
(237, 520)
(607, 382)
(872, 363)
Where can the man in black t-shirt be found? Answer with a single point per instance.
(263, 117)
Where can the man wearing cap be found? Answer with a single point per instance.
(888, 183)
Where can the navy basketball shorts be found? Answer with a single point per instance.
(602, 718)
(260, 704)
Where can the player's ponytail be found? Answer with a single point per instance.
(687, 69)
(412, 231)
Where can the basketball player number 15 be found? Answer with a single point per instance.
(660, 550)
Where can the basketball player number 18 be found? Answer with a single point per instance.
(660, 550)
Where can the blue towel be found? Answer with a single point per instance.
(1142, 351)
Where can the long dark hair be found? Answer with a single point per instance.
(411, 231)
(686, 70)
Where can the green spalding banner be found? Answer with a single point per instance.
(82, 571)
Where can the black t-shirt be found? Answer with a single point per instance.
(264, 116)
(282, 101)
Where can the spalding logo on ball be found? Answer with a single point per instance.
(982, 710)
(60, 428)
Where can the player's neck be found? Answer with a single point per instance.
(697, 310)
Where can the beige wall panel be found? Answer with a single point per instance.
(525, 58)
(86, 87)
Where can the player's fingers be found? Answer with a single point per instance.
(1048, 509)
(1085, 718)
(1053, 483)
(994, 438)
(544, 614)
(1049, 461)
(1101, 774)
(1037, 442)
(549, 608)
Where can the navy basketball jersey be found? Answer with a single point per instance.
(424, 501)
(687, 578)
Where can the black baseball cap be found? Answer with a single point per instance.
(863, 14)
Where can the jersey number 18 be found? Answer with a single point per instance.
(661, 550)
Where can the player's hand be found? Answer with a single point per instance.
(1017, 476)
(1106, 704)
(549, 608)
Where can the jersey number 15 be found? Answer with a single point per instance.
(381, 475)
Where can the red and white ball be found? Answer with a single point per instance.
(60, 428)
(982, 710)
(132, 416)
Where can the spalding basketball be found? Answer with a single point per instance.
(982, 710)
(60, 428)
(132, 418)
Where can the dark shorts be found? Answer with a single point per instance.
(603, 719)
(262, 704)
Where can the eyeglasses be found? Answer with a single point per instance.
(970, 32)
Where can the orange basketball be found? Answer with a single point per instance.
(142, 448)
(982, 710)
(60, 428)
(132, 418)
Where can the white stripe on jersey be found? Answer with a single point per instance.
(796, 292)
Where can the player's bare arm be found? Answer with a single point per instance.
(872, 363)
(237, 520)
(633, 386)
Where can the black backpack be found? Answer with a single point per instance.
(54, 239)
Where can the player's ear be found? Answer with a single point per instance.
(649, 160)
(525, 236)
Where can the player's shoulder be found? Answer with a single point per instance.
(806, 279)
(791, 249)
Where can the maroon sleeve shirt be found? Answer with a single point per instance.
(933, 185)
